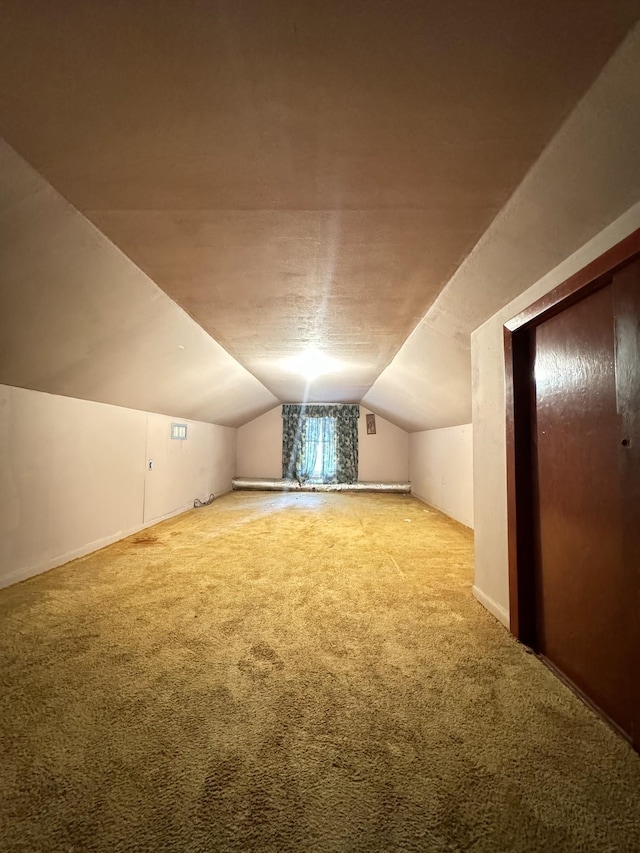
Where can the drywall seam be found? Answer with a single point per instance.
(492, 606)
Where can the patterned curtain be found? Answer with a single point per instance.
(296, 453)
(292, 435)
(347, 443)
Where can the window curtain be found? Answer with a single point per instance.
(295, 457)
(347, 443)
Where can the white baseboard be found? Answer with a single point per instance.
(161, 518)
(501, 613)
(25, 572)
(440, 509)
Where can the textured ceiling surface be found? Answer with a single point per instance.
(63, 329)
(587, 177)
(296, 174)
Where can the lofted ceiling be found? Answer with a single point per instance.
(289, 174)
(587, 177)
(78, 318)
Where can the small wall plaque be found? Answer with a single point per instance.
(371, 424)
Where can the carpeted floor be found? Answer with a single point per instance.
(292, 673)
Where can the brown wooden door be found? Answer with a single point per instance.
(585, 472)
(626, 284)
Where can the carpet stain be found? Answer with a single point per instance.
(261, 662)
(231, 626)
(285, 673)
(145, 540)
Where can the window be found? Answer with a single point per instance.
(320, 442)
(319, 450)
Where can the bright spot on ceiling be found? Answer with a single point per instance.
(312, 363)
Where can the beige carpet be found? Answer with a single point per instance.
(292, 673)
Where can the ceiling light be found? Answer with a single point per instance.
(312, 363)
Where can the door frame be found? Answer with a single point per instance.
(518, 352)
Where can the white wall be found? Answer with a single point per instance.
(73, 475)
(383, 457)
(441, 470)
(184, 470)
(489, 426)
(260, 446)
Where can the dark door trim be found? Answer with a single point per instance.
(518, 361)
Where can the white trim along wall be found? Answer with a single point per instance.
(74, 475)
(489, 425)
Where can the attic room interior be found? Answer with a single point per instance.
(319, 426)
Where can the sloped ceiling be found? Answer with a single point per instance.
(587, 177)
(290, 174)
(78, 318)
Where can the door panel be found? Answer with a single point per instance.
(585, 584)
(626, 285)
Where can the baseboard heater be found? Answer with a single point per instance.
(264, 484)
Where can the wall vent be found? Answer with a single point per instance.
(179, 431)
